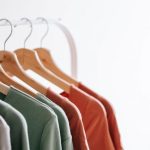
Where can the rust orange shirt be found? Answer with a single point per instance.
(112, 121)
(93, 117)
(75, 120)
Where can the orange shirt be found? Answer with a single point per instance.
(75, 120)
(94, 119)
(112, 122)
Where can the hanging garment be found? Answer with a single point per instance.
(42, 122)
(5, 143)
(94, 119)
(17, 124)
(66, 138)
(75, 120)
(112, 121)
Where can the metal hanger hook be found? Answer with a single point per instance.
(31, 29)
(47, 29)
(11, 30)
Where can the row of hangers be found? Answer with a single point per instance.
(39, 60)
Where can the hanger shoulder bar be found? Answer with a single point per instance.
(4, 88)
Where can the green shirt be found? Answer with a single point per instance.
(66, 138)
(17, 124)
(42, 122)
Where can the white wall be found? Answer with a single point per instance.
(113, 40)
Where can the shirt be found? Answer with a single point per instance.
(42, 122)
(66, 138)
(112, 121)
(94, 119)
(75, 120)
(5, 143)
(17, 124)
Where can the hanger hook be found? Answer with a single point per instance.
(11, 30)
(47, 29)
(31, 29)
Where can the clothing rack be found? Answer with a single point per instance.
(63, 28)
(50, 120)
(34, 22)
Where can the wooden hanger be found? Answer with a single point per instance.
(48, 61)
(10, 63)
(4, 88)
(5, 78)
(30, 60)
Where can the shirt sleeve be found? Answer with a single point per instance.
(51, 139)
(67, 144)
(5, 143)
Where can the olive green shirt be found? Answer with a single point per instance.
(66, 137)
(43, 128)
(17, 124)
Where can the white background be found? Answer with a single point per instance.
(113, 41)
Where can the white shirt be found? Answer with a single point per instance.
(5, 142)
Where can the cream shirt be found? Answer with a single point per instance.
(5, 143)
